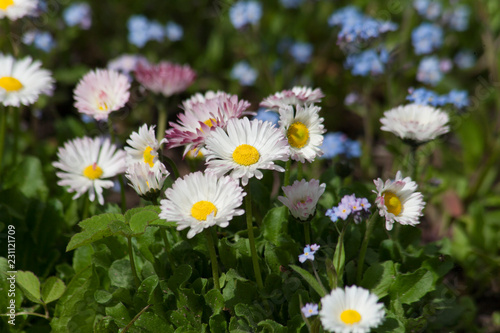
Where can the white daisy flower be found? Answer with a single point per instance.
(86, 163)
(199, 201)
(14, 9)
(302, 197)
(143, 146)
(304, 130)
(353, 310)
(414, 122)
(398, 202)
(298, 95)
(21, 82)
(244, 148)
(145, 180)
(101, 92)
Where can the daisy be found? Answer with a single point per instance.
(101, 92)
(397, 201)
(146, 181)
(301, 197)
(298, 95)
(304, 129)
(199, 201)
(22, 81)
(201, 116)
(416, 123)
(143, 146)
(351, 310)
(166, 78)
(244, 148)
(86, 163)
(14, 9)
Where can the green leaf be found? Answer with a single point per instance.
(93, 229)
(331, 273)
(28, 178)
(379, 277)
(140, 218)
(120, 314)
(339, 260)
(150, 322)
(30, 285)
(181, 275)
(218, 323)
(120, 274)
(215, 300)
(411, 287)
(273, 223)
(52, 289)
(310, 279)
(146, 290)
(269, 326)
(102, 296)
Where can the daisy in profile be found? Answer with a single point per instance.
(298, 95)
(101, 92)
(86, 164)
(351, 310)
(145, 180)
(302, 197)
(416, 123)
(22, 81)
(14, 9)
(201, 116)
(244, 148)
(201, 200)
(166, 78)
(397, 201)
(304, 130)
(143, 146)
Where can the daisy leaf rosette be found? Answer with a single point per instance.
(101, 92)
(23, 81)
(398, 201)
(244, 148)
(304, 130)
(202, 200)
(297, 95)
(351, 310)
(415, 123)
(165, 77)
(15, 9)
(86, 164)
(302, 197)
(143, 146)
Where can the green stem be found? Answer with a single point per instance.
(3, 126)
(300, 171)
(364, 246)
(162, 121)
(286, 178)
(135, 318)
(307, 232)
(213, 258)
(251, 239)
(317, 277)
(132, 262)
(168, 249)
(172, 165)
(17, 125)
(341, 246)
(122, 193)
(414, 163)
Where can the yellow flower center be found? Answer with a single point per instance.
(297, 135)
(103, 106)
(392, 203)
(93, 171)
(148, 156)
(202, 209)
(209, 122)
(9, 83)
(350, 317)
(4, 4)
(246, 155)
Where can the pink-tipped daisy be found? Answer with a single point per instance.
(166, 78)
(145, 180)
(302, 197)
(14, 9)
(143, 146)
(298, 95)
(86, 164)
(398, 201)
(101, 92)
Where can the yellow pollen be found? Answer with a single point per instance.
(392, 203)
(246, 155)
(7, 82)
(148, 156)
(4, 4)
(103, 106)
(209, 122)
(297, 134)
(202, 209)
(350, 317)
(93, 171)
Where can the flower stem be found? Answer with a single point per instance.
(369, 228)
(132, 262)
(172, 165)
(286, 178)
(414, 163)
(300, 171)
(251, 239)
(307, 232)
(122, 193)
(162, 121)
(135, 318)
(317, 277)
(3, 126)
(168, 248)
(213, 258)
(17, 125)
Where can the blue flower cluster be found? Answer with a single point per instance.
(291, 3)
(78, 14)
(426, 38)
(337, 143)
(301, 52)
(458, 98)
(41, 40)
(245, 12)
(141, 30)
(355, 26)
(429, 71)
(458, 18)
(359, 208)
(244, 73)
(367, 62)
(428, 9)
(465, 59)
(309, 252)
(270, 116)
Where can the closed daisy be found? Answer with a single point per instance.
(14, 9)
(304, 130)
(397, 201)
(101, 92)
(302, 197)
(199, 201)
(351, 310)
(145, 180)
(244, 148)
(143, 146)
(86, 164)
(166, 78)
(298, 95)
(415, 123)
(22, 81)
